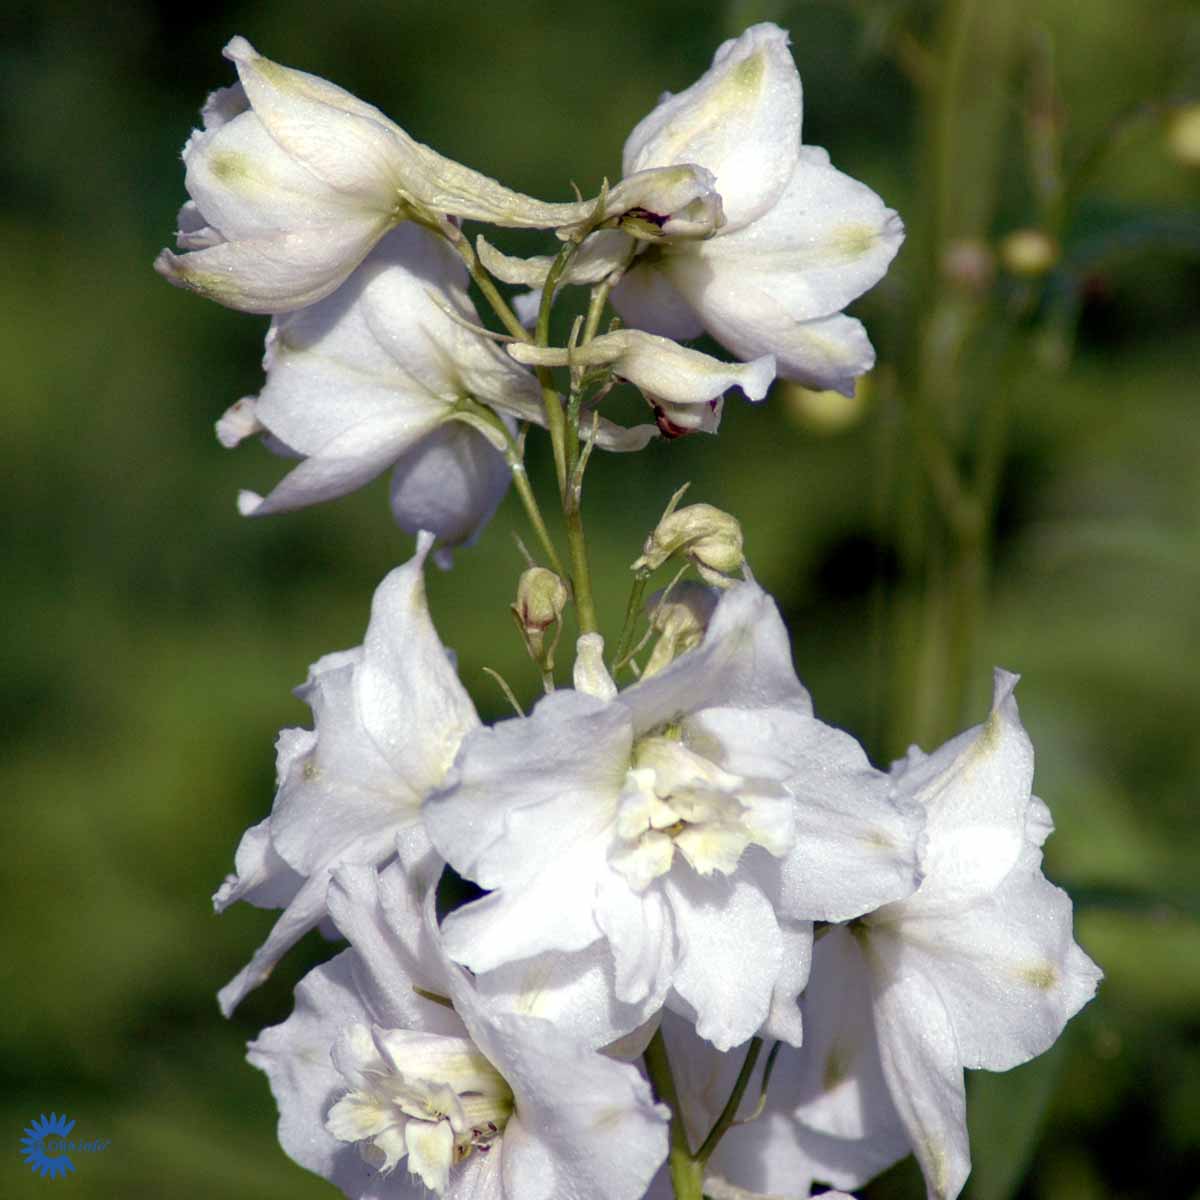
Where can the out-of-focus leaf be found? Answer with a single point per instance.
(1005, 1113)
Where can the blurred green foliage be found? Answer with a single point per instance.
(150, 636)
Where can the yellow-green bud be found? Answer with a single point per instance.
(1028, 252)
(825, 413)
(541, 599)
(1183, 135)
(681, 620)
(712, 539)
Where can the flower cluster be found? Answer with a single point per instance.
(668, 872)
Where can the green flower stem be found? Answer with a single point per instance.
(565, 440)
(632, 609)
(581, 572)
(516, 464)
(687, 1175)
(729, 1112)
(596, 303)
(483, 281)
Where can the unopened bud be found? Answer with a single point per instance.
(1028, 252)
(681, 617)
(970, 265)
(712, 539)
(591, 675)
(541, 599)
(1183, 135)
(825, 413)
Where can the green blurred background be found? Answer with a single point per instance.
(150, 636)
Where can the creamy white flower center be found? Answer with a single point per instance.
(675, 799)
(431, 1098)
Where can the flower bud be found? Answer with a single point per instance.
(591, 675)
(541, 599)
(712, 539)
(1183, 135)
(825, 413)
(1029, 252)
(681, 617)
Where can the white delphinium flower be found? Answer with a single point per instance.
(691, 825)
(385, 373)
(293, 180)
(388, 718)
(800, 239)
(977, 968)
(394, 1077)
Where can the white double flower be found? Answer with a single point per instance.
(680, 835)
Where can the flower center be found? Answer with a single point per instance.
(433, 1099)
(675, 799)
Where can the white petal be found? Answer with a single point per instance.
(306, 910)
(407, 691)
(922, 1064)
(826, 240)
(784, 1022)
(745, 660)
(741, 120)
(641, 936)
(574, 991)
(386, 971)
(646, 299)
(531, 788)
(584, 1126)
(1007, 968)
(853, 849)
(731, 954)
(345, 463)
(261, 876)
(334, 784)
(975, 791)
(295, 1057)
(451, 483)
(512, 924)
(278, 273)
(826, 354)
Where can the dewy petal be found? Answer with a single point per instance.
(731, 954)
(975, 791)
(827, 353)
(647, 299)
(836, 1086)
(922, 1064)
(553, 777)
(278, 273)
(450, 483)
(661, 368)
(744, 661)
(853, 849)
(409, 696)
(826, 241)
(641, 935)
(741, 120)
(1007, 968)
(295, 1058)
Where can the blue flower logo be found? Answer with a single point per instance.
(33, 1150)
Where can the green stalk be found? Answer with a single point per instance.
(729, 1112)
(687, 1175)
